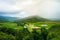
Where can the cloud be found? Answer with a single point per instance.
(13, 5)
(14, 8)
(48, 9)
(23, 8)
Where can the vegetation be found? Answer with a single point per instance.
(32, 28)
(28, 31)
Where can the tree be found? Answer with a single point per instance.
(44, 33)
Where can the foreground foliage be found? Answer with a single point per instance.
(11, 31)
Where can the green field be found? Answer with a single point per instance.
(30, 31)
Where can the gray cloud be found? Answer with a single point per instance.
(45, 8)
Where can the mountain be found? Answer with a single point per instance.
(32, 19)
(7, 19)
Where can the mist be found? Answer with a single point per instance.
(49, 9)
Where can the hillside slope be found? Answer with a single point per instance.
(33, 19)
(6, 19)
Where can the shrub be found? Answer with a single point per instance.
(4, 36)
(8, 30)
(44, 33)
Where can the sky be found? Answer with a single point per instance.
(23, 8)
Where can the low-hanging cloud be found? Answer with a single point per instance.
(22, 8)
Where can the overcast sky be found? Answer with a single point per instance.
(22, 8)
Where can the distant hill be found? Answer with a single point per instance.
(33, 19)
(7, 19)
